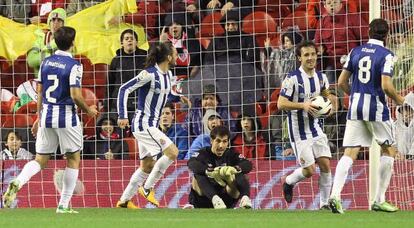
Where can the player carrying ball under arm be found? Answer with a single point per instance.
(58, 89)
(156, 87)
(306, 136)
(371, 68)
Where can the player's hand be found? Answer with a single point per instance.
(228, 6)
(310, 108)
(109, 155)
(228, 171)
(35, 127)
(163, 35)
(191, 8)
(213, 3)
(123, 123)
(93, 111)
(267, 42)
(186, 101)
(215, 174)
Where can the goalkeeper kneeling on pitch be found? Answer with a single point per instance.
(220, 178)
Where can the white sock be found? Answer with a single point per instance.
(341, 173)
(69, 182)
(385, 173)
(156, 173)
(137, 179)
(325, 183)
(295, 177)
(29, 170)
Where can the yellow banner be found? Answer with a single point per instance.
(95, 38)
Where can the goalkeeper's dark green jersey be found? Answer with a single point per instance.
(206, 159)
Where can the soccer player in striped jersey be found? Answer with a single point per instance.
(371, 68)
(156, 86)
(59, 92)
(306, 136)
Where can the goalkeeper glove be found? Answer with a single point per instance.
(215, 174)
(227, 173)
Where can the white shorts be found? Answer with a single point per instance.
(307, 150)
(151, 142)
(359, 133)
(70, 139)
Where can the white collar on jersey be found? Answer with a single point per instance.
(377, 42)
(64, 53)
(159, 69)
(309, 76)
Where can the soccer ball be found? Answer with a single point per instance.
(324, 105)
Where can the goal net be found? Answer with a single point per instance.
(237, 53)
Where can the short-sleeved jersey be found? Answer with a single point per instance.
(368, 63)
(298, 86)
(57, 74)
(155, 89)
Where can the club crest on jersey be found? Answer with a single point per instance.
(302, 161)
(162, 142)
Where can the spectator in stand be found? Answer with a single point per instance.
(14, 150)
(45, 45)
(210, 100)
(243, 6)
(127, 64)
(404, 128)
(230, 63)
(280, 61)
(18, 11)
(74, 6)
(40, 10)
(315, 9)
(108, 143)
(337, 33)
(184, 40)
(249, 140)
(210, 120)
(175, 132)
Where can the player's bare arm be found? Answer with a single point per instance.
(343, 81)
(35, 126)
(388, 87)
(76, 94)
(284, 104)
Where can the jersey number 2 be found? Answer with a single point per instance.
(52, 77)
(364, 72)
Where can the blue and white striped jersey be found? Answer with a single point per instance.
(57, 74)
(300, 87)
(367, 63)
(155, 89)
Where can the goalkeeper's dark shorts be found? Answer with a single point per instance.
(203, 202)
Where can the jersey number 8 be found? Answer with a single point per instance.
(364, 72)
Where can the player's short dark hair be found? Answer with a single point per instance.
(158, 53)
(378, 29)
(64, 37)
(219, 131)
(305, 43)
(130, 31)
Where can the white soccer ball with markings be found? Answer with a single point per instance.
(324, 105)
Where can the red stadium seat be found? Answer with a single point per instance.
(101, 77)
(275, 8)
(89, 122)
(4, 65)
(29, 109)
(210, 26)
(271, 108)
(18, 121)
(133, 148)
(295, 19)
(261, 24)
(20, 67)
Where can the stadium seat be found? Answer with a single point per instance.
(29, 109)
(261, 24)
(4, 65)
(133, 147)
(275, 8)
(295, 19)
(101, 77)
(210, 26)
(89, 122)
(271, 109)
(20, 66)
(17, 120)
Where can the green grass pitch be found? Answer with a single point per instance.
(149, 218)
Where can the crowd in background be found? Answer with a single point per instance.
(233, 77)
